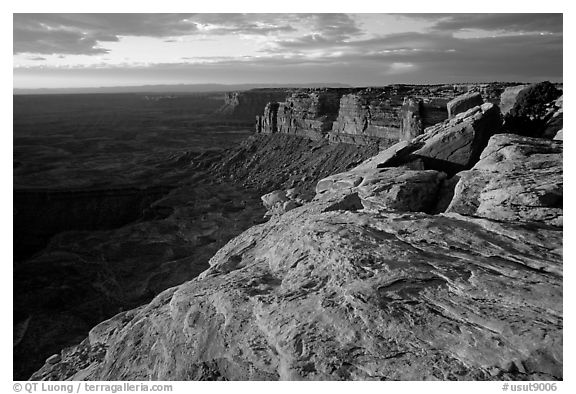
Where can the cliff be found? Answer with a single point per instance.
(359, 116)
(247, 104)
(396, 270)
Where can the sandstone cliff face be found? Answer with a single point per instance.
(371, 116)
(411, 119)
(308, 113)
(371, 112)
(246, 105)
(356, 285)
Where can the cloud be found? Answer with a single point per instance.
(406, 57)
(327, 30)
(530, 23)
(85, 33)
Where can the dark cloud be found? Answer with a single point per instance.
(85, 33)
(47, 42)
(532, 23)
(328, 30)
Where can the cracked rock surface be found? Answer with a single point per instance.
(517, 179)
(348, 295)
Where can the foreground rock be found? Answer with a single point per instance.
(517, 179)
(457, 143)
(463, 103)
(509, 96)
(348, 296)
(85, 277)
(389, 189)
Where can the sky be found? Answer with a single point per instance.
(93, 50)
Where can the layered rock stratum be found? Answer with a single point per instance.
(439, 258)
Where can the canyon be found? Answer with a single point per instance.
(403, 233)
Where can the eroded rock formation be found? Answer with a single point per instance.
(463, 103)
(402, 266)
(517, 179)
(356, 285)
(247, 104)
(411, 119)
(346, 295)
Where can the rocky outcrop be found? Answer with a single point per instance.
(554, 119)
(411, 119)
(449, 147)
(456, 144)
(279, 202)
(508, 97)
(84, 277)
(369, 112)
(308, 113)
(366, 281)
(371, 116)
(517, 179)
(341, 295)
(247, 104)
(463, 103)
(388, 189)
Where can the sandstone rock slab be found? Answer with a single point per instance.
(517, 179)
(456, 144)
(394, 189)
(348, 296)
(463, 103)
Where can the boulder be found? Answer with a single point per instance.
(518, 179)
(394, 155)
(456, 144)
(344, 295)
(508, 98)
(463, 103)
(559, 136)
(272, 199)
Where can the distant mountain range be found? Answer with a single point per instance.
(182, 88)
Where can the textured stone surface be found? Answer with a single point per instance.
(391, 189)
(348, 295)
(308, 113)
(508, 97)
(457, 143)
(369, 112)
(411, 119)
(517, 179)
(85, 277)
(391, 156)
(463, 103)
